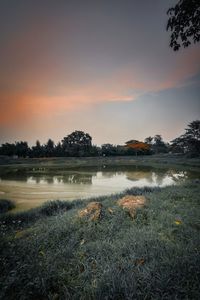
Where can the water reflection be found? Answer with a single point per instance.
(30, 190)
(56, 180)
(151, 177)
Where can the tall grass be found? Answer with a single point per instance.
(60, 256)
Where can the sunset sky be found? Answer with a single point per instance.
(104, 67)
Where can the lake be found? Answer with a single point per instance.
(31, 190)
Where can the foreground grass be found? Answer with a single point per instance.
(50, 253)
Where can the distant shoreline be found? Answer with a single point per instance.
(179, 162)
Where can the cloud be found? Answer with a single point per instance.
(37, 97)
(186, 66)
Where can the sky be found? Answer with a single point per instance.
(103, 67)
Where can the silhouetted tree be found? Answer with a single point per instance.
(159, 146)
(49, 148)
(189, 142)
(78, 143)
(59, 150)
(37, 150)
(22, 149)
(148, 140)
(193, 130)
(108, 150)
(178, 145)
(121, 150)
(8, 149)
(95, 151)
(158, 139)
(184, 23)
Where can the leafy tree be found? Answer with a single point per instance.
(178, 145)
(22, 149)
(193, 130)
(121, 151)
(138, 147)
(158, 139)
(108, 150)
(8, 149)
(159, 145)
(148, 140)
(78, 143)
(184, 23)
(59, 150)
(95, 151)
(189, 142)
(37, 150)
(49, 148)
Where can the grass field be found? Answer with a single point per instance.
(51, 253)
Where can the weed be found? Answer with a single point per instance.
(6, 205)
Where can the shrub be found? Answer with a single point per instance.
(53, 207)
(6, 205)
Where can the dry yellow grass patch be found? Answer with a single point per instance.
(92, 210)
(131, 203)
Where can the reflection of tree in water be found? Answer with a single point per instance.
(58, 179)
(108, 174)
(67, 178)
(39, 179)
(81, 178)
(17, 176)
(156, 177)
(152, 176)
(36, 179)
(50, 180)
(177, 176)
(138, 175)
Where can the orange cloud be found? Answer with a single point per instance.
(40, 91)
(186, 66)
(19, 107)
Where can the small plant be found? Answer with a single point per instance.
(53, 207)
(6, 205)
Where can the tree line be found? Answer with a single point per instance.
(79, 144)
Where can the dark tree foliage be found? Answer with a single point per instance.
(8, 149)
(37, 150)
(20, 149)
(49, 148)
(59, 152)
(108, 150)
(189, 142)
(193, 130)
(184, 23)
(78, 143)
(148, 140)
(156, 144)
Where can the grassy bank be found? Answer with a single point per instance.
(50, 253)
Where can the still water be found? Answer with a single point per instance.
(32, 190)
